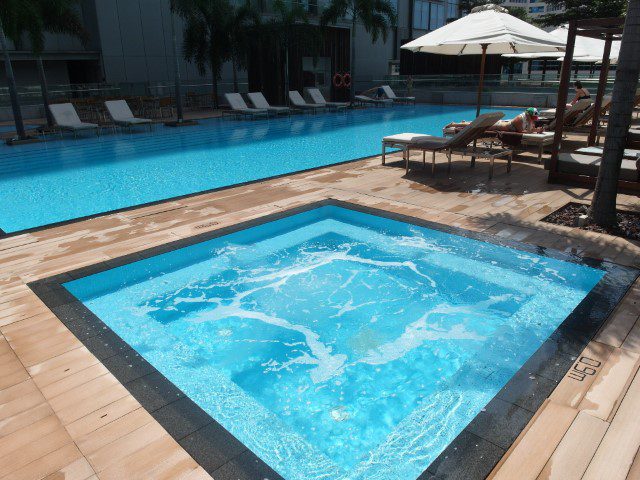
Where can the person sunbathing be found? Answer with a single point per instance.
(581, 93)
(522, 123)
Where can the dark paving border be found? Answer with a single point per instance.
(471, 455)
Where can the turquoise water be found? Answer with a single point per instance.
(65, 179)
(337, 344)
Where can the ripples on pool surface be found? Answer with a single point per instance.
(65, 179)
(338, 344)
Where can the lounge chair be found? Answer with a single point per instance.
(362, 99)
(239, 107)
(299, 102)
(259, 102)
(589, 165)
(388, 91)
(66, 118)
(629, 153)
(574, 109)
(517, 139)
(318, 98)
(633, 139)
(429, 143)
(121, 114)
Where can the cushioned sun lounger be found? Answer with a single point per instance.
(259, 102)
(629, 153)
(318, 98)
(299, 102)
(373, 101)
(238, 106)
(66, 118)
(388, 91)
(633, 139)
(577, 107)
(121, 114)
(590, 165)
(430, 143)
(518, 140)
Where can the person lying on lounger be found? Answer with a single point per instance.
(581, 93)
(523, 123)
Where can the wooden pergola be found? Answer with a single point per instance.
(607, 29)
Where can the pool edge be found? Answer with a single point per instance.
(474, 452)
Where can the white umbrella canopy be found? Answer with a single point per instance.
(488, 25)
(586, 49)
(487, 30)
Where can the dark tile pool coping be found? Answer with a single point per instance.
(471, 455)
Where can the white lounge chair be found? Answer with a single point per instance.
(299, 102)
(259, 102)
(66, 118)
(457, 143)
(362, 99)
(239, 106)
(122, 115)
(318, 98)
(388, 91)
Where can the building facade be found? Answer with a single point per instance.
(534, 8)
(130, 42)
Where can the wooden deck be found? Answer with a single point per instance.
(63, 415)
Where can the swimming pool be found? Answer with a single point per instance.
(60, 180)
(335, 343)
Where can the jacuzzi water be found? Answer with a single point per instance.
(338, 344)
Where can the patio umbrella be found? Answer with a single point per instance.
(586, 49)
(487, 30)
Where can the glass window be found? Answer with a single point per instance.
(436, 16)
(452, 9)
(536, 9)
(421, 15)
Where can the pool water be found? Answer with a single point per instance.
(339, 344)
(60, 180)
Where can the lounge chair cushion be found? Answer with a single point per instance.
(65, 116)
(589, 165)
(543, 138)
(364, 98)
(407, 138)
(629, 153)
(298, 101)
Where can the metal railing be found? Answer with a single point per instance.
(31, 94)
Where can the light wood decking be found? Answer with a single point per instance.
(63, 415)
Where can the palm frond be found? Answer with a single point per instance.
(334, 12)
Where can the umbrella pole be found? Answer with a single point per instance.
(481, 83)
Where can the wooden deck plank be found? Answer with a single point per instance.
(610, 386)
(576, 449)
(618, 448)
(579, 379)
(529, 457)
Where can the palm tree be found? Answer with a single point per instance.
(377, 16)
(34, 18)
(240, 25)
(13, 91)
(205, 39)
(603, 206)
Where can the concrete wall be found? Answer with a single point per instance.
(26, 73)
